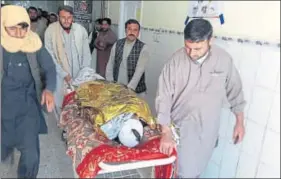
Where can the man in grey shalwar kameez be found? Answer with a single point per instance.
(192, 89)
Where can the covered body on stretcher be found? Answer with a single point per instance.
(91, 106)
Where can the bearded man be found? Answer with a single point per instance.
(38, 25)
(68, 44)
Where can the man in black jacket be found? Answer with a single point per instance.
(93, 35)
(22, 93)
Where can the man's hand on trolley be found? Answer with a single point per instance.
(167, 143)
(68, 79)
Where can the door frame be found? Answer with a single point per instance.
(122, 20)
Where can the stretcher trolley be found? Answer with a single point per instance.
(93, 153)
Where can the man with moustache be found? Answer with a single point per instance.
(68, 44)
(37, 24)
(128, 59)
(103, 43)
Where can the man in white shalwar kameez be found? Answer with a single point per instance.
(67, 42)
(192, 89)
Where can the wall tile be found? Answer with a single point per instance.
(212, 171)
(218, 151)
(247, 166)
(174, 42)
(152, 76)
(159, 42)
(274, 119)
(235, 50)
(145, 36)
(229, 161)
(268, 68)
(222, 43)
(248, 94)
(148, 38)
(252, 142)
(249, 63)
(271, 149)
(260, 105)
(248, 69)
(267, 171)
(170, 44)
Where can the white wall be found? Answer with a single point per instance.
(259, 66)
(250, 19)
(113, 11)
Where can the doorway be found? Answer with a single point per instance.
(129, 10)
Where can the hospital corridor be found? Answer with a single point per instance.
(140, 89)
(54, 161)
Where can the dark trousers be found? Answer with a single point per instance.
(26, 140)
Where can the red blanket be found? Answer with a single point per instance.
(104, 153)
(89, 168)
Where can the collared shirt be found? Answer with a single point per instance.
(202, 59)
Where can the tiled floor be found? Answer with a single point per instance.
(53, 162)
(56, 164)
